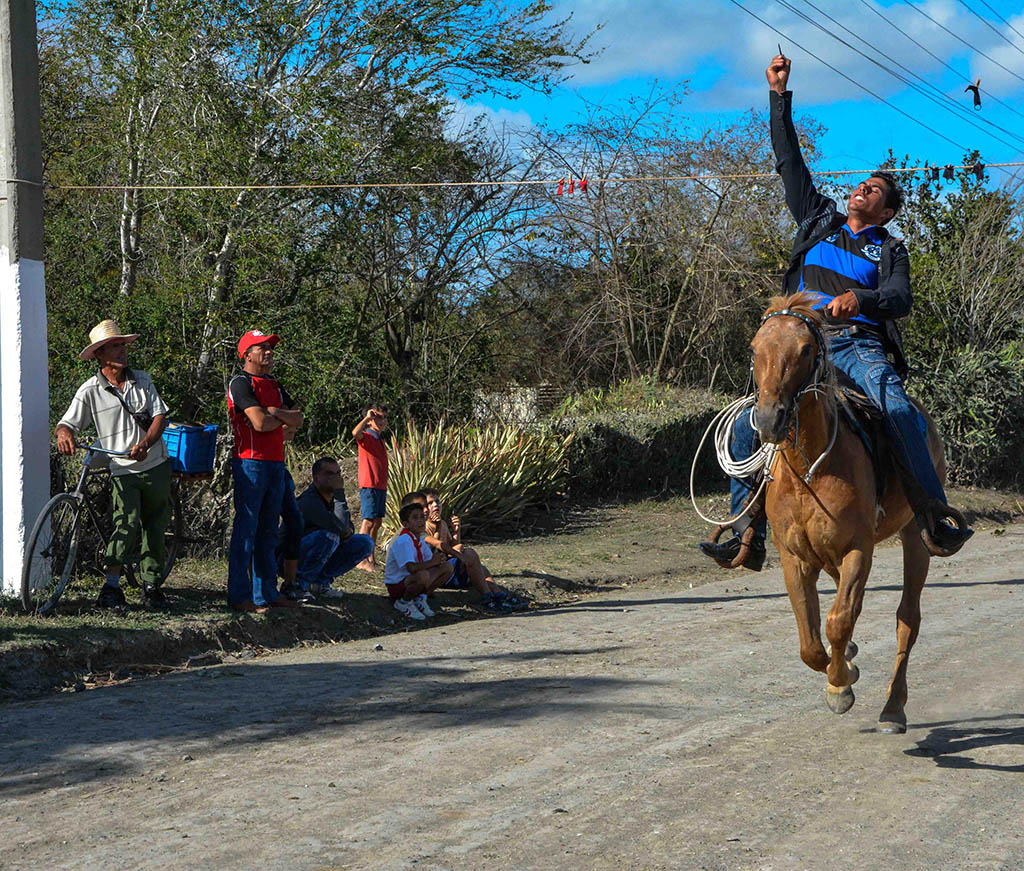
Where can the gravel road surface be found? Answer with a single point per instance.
(643, 729)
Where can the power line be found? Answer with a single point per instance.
(964, 41)
(1000, 17)
(486, 183)
(852, 81)
(932, 54)
(959, 111)
(991, 27)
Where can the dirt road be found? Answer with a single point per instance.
(669, 730)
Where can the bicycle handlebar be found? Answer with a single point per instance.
(95, 450)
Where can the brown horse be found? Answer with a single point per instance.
(833, 520)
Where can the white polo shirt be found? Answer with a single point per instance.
(96, 404)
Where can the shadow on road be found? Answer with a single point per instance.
(132, 728)
(949, 743)
(607, 604)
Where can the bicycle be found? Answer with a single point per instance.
(71, 521)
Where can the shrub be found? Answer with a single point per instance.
(977, 401)
(642, 451)
(487, 475)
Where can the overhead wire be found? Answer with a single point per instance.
(991, 27)
(1000, 17)
(946, 102)
(936, 57)
(356, 185)
(851, 80)
(964, 41)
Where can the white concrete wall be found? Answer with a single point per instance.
(24, 411)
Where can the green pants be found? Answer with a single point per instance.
(142, 508)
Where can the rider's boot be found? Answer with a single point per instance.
(746, 547)
(944, 530)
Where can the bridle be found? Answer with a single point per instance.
(813, 379)
(812, 384)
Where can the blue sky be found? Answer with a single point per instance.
(721, 52)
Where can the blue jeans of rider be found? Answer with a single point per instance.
(324, 556)
(252, 568)
(863, 359)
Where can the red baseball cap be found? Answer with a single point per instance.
(255, 337)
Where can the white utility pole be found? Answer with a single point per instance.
(24, 384)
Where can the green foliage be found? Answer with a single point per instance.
(629, 394)
(487, 475)
(642, 450)
(976, 399)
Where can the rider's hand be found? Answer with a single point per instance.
(138, 452)
(65, 440)
(844, 306)
(456, 525)
(778, 73)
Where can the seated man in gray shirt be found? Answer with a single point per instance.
(126, 411)
(329, 548)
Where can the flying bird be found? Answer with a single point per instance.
(977, 94)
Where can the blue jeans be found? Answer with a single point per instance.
(862, 358)
(252, 569)
(323, 556)
(292, 525)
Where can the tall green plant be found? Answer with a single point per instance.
(487, 475)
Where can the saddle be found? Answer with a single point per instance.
(868, 422)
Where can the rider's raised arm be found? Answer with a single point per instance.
(802, 196)
(892, 299)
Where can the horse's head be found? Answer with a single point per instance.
(788, 350)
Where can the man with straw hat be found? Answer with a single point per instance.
(122, 405)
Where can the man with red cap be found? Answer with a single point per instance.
(259, 407)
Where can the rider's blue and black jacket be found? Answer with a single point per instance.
(818, 217)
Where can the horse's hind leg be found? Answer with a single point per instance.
(842, 674)
(908, 621)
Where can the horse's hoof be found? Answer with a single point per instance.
(839, 699)
(854, 672)
(892, 724)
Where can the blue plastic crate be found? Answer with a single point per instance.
(191, 448)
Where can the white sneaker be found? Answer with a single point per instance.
(330, 593)
(404, 606)
(421, 602)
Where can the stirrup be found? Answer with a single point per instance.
(745, 540)
(930, 518)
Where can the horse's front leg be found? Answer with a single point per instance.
(801, 584)
(842, 674)
(908, 620)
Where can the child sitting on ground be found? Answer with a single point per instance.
(468, 569)
(412, 570)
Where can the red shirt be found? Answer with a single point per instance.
(247, 391)
(373, 461)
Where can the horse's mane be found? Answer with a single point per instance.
(799, 302)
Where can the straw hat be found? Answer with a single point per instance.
(103, 332)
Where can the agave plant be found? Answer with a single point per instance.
(486, 475)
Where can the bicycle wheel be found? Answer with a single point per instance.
(50, 556)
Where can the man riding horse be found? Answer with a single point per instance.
(861, 274)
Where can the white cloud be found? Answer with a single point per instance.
(503, 122)
(670, 39)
